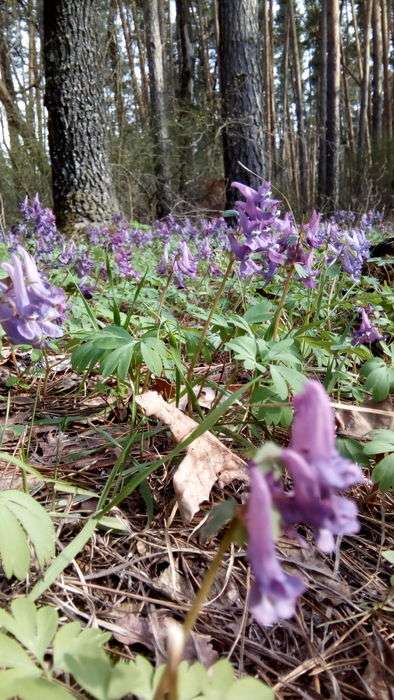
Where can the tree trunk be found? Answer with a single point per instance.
(241, 92)
(81, 180)
(299, 102)
(388, 105)
(333, 94)
(138, 102)
(364, 146)
(116, 75)
(159, 127)
(322, 113)
(377, 74)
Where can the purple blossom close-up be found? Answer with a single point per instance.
(31, 310)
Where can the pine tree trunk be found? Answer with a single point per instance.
(81, 179)
(333, 95)
(159, 127)
(241, 92)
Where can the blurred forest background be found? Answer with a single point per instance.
(182, 91)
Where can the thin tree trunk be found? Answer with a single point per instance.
(299, 102)
(387, 90)
(141, 48)
(159, 127)
(267, 86)
(363, 145)
(357, 41)
(241, 92)
(322, 114)
(116, 75)
(377, 74)
(139, 108)
(202, 30)
(333, 95)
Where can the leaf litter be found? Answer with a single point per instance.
(342, 635)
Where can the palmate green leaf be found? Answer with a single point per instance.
(220, 684)
(22, 519)
(279, 385)
(153, 353)
(71, 639)
(33, 627)
(244, 349)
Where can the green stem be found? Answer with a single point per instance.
(164, 686)
(209, 319)
(282, 303)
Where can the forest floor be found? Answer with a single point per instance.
(138, 570)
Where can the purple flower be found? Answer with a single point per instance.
(366, 333)
(314, 235)
(184, 264)
(318, 472)
(274, 593)
(30, 309)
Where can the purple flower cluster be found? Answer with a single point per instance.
(30, 308)
(38, 228)
(366, 333)
(318, 474)
(269, 241)
(181, 264)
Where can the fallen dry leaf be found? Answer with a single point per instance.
(357, 421)
(207, 460)
(151, 632)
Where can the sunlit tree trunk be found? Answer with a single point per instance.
(140, 111)
(241, 92)
(116, 72)
(81, 178)
(299, 103)
(159, 126)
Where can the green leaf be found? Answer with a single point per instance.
(12, 655)
(153, 351)
(247, 688)
(220, 515)
(244, 349)
(259, 312)
(190, 680)
(389, 555)
(219, 680)
(383, 473)
(381, 441)
(279, 384)
(378, 382)
(294, 378)
(72, 640)
(23, 519)
(32, 627)
(42, 689)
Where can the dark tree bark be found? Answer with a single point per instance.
(322, 111)
(158, 117)
(81, 180)
(186, 83)
(333, 94)
(241, 92)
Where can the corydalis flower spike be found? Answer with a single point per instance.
(274, 593)
(366, 333)
(313, 437)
